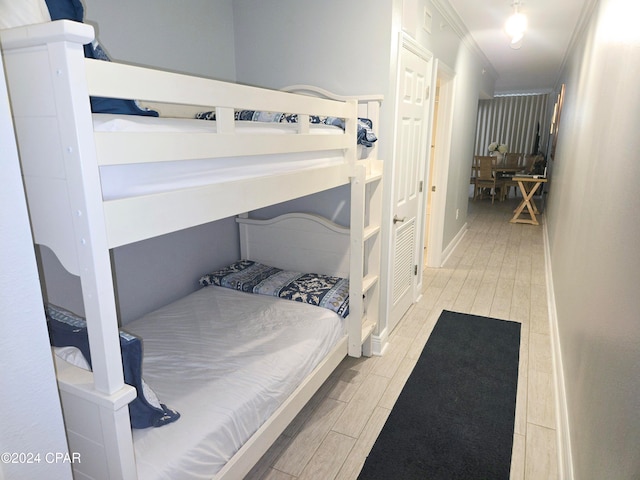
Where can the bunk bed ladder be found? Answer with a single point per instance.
(366, 213)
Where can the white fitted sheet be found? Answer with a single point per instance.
(225, 360)
(121, 181)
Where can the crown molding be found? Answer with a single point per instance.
(588, 11)
(451, 17)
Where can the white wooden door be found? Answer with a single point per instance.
(413, 86)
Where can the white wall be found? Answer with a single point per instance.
(467, 93)
(31, 413)
(593, 211)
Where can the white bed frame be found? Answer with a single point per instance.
(49, 83)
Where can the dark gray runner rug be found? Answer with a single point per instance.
(454, 418)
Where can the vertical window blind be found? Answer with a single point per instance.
(519, 121)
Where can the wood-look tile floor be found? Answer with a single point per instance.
(497, 270)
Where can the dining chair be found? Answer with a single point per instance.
(486, 179)
(475, 164)
(512, 161)
(529, 161)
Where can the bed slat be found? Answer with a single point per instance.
(109, 79)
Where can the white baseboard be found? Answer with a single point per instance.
(565, 463)
(379, 343)
(446, 253)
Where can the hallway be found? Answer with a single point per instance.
(497, 270)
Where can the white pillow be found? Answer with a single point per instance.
(75, 357)
(72, 355)
(16, 13)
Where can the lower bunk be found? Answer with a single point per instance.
(236, 366)
(226, 361)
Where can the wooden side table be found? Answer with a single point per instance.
(528, 187)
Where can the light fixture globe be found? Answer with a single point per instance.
(516, 25)
(516, 42)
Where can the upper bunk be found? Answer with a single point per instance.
(138, 177)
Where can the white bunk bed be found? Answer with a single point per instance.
(67, 159)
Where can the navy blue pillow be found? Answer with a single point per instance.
(73, 10)
(69, 330)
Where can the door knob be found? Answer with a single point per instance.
(396, 219)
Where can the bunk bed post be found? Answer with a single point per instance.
(364, 290)
(371, 109)
(93, 253)
(82, 179)
(94, 263)
(351, 130)
(48, 90)
(356, 259)
(366, 217)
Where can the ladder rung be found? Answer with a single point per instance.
(367, 329)
(368, 281)
(373, 177)
(370, 231)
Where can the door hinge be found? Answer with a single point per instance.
(415, 269)
(421, 186)
(433, 188)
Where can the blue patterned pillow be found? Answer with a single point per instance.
(73, 10)
(315, 289)
(365, 135)
(67, 329)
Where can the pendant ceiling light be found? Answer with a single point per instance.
(516, 25)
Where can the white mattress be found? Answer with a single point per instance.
(225, 360)
(122, 181)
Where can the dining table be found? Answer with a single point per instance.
(507, 170)
(528, 185)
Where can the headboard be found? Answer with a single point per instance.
(296, 241)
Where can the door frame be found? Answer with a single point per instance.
(446, 77)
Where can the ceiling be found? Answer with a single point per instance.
(536, 66)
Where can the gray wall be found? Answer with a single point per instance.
(157, 271)
(341, 46)
(593, 231)
(190, 36)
